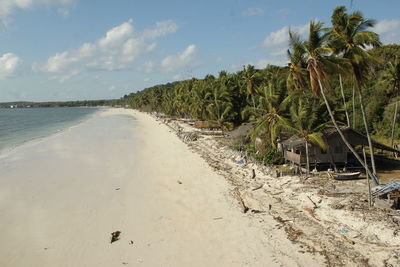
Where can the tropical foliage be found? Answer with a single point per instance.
(337, 69)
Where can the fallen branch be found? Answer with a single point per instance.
(258, 187)
(315, 205)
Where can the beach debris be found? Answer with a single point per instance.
(217, 218)
(387, 195)
(179, 182)
(139, 260)
(115, 236)
(292, 233)
(311, 211)
(257, 211)
(280, 219)
(315, 205)
(131, 242)
(253, 176)
(243, 206)
(257, 187)
(117, 188)
(190, 137)
(240, 162)
(124, 263)
(344, 231)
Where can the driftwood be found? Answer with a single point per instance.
(315, 205)
(257, 187)
(253, 174)
(243, 206)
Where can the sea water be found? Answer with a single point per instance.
(20, 125)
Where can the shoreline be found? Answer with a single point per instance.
(4, 152)
(122, 171)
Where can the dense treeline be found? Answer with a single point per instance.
(339, 75)
(84, 103)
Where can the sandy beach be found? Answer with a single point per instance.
(61, 198)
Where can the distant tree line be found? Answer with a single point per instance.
(84, 103)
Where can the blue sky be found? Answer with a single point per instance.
(85, 49)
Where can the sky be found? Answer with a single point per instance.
(62, 50)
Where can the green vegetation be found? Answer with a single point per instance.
(340, 75)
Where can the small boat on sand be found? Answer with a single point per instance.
(347, 175)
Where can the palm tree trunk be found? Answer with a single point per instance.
(354, 108)
(371, 147)
(369, 184)
(307, 159)
(367, 170)
(344, 100)
(394, 123)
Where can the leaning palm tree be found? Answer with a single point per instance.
(349, 37)
(320, 63)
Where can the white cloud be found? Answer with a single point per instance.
(281, 36)
(253, 11)
(162, 28)
(116, 35)
(182, 59)
(8, 7)
(9, 65)
(389, 30)
(147, 79)
(116, 50)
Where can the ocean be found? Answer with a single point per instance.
(20, 125)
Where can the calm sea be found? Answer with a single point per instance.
(24, 124)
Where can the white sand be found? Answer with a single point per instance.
(59, 203)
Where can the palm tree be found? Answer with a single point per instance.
(349, 37)
(198, 107)
(320, 63)
(249, 78)
(297, 63)
(268, 114)
(220, 104)
(305, 123)
(391, 77)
